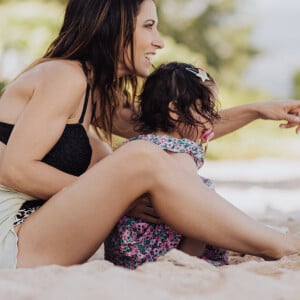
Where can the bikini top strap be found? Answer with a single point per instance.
(86, 100)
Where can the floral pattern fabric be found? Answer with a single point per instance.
(133, 242)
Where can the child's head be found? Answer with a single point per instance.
(178, 97)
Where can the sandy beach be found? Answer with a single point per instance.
(267, 189)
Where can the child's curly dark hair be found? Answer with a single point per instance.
(174, 83)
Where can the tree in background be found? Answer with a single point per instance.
(296, 85)
(2, 86)
(212, 33)
(27, 27)
(213, 28)
(208, 31)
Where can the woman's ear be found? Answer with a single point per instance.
(173, 111)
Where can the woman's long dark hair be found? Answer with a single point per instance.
(177, 84)
(97, 33)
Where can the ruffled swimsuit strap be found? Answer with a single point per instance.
(176, 145)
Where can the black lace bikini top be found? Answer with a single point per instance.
(72, 153)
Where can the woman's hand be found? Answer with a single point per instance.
(142, 209)
(288, 111)
(238, 116)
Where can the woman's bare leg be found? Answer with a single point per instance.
(70, 227)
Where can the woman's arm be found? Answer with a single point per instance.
(57, 95)
(239, 116)
(122, 125)
(100, 149)
(231, 119)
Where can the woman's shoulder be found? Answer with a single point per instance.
(62, 81)
(58, 69)
(61, 75)
(52, 71)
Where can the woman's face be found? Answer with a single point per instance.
(146, 41)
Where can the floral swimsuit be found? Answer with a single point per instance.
(134, 242)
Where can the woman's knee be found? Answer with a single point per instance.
(149, 158)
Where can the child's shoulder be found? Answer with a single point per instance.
(173, 144)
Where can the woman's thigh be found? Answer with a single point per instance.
(72, 224)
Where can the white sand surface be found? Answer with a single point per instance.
(267, 189)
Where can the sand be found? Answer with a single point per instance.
(175, 276)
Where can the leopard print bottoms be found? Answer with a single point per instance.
(26, 210)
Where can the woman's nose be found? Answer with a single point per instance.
(158, 41)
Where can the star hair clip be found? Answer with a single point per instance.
(200, 73)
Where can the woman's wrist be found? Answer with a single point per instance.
(255, 110)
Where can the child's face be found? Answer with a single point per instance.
(199, 134)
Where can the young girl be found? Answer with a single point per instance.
(178, 109)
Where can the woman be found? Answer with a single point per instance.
(45, 114)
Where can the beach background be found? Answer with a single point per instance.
(267, 189)
(256, 57)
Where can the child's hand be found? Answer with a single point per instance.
(143, 209)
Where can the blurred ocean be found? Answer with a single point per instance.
(275, 34)
(257, 186)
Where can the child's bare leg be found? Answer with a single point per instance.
(192, 247)
(71, 225)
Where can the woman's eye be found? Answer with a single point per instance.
(149, 25)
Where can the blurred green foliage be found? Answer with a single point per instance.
(28, 26)
(212, 35)
(211, 29)
(296, 85)
(2, 86)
